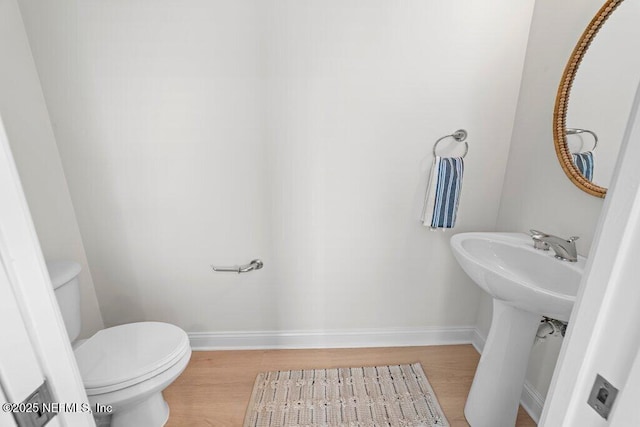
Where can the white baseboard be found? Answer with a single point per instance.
(259, 340)
(477, 341)
(531, 400)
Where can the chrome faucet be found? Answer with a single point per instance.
(564, 249)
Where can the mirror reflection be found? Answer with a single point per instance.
(602, 95)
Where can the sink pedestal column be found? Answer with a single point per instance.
(497, 386)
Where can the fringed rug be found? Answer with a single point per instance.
(379, 396)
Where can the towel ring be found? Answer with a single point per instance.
(460, 136)
(577, 131)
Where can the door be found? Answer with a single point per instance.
(603, 338)
(627, 412)
(20, 372)
(34, 345)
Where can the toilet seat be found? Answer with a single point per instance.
(122, 356)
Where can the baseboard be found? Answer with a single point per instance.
(477, 340)
(259, 340)
(531, 400)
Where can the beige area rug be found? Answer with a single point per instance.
(379, 396)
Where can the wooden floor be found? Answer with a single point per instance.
(215, 388)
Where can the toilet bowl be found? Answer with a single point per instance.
(124, 368)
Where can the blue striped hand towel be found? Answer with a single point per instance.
(443, 192)
(584, 163)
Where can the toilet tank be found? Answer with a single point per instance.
(64, 278)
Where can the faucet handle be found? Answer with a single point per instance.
(537, 234)
(573, 238)
(538, 243)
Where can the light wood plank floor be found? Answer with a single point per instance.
(215, 388)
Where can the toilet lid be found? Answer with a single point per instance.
(125, 355)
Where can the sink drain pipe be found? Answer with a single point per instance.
(550, 327)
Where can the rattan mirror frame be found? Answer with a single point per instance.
(562, 100)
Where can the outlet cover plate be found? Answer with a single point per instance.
(602, 396)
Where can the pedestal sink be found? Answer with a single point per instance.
(525, 284)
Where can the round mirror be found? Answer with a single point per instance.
(596, 95)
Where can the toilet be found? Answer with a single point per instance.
(124, 366)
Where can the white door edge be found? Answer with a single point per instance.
(26, 270)
(602, 335)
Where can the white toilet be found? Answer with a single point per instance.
(125, 366)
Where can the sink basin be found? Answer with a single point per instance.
(525, 284)
(506, 266)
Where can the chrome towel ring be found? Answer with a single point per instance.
(577, 131)
(460, 136)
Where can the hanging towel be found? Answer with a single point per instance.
(443, 192)
(584, 163)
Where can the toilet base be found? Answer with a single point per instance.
(142, 404)
(151, 412)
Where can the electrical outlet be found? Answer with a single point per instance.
(602, 396)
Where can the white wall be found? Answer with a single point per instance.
(23, 109)
(295, 131)
(536, 192)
